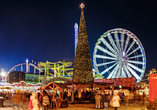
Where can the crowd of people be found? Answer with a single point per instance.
(43, 99)
(33, 100)
(115, 98)
(105, 99)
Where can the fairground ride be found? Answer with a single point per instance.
(59, 69)
(118, 53)
(50, 69)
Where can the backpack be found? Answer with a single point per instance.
(30, 104)
(45, 101)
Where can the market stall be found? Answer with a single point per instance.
(56, 101)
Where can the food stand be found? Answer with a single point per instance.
(57, 102)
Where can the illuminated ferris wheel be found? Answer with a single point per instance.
(118, 53)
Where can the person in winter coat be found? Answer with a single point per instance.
(35, 102)
(105, 100)
(97, 100)
(114, 102)
(44, 100)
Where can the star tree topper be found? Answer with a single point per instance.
(82, 5)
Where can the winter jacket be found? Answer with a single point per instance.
(97, 99)
(41, 99)
(35, 103)
(105, 98)
(115, 101)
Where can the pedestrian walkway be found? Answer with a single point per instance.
(85, 107)
(89, 106)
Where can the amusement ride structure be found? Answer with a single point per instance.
(26, 65)
(59, 69)
(50, 69)
(118, 53)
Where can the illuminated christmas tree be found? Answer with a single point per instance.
(82, 64)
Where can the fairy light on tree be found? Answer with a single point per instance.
(82, 64)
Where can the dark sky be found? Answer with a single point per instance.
(43, 30)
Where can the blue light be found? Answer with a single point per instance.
(76, 35)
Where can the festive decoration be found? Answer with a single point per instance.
(82, 65)
(82, 6)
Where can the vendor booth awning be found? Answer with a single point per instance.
(54, 86)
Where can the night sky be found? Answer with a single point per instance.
(43, 30)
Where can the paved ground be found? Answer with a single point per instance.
(134, 106)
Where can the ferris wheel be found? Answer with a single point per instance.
(118, 53)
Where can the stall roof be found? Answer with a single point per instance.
(62, 85)
(56, 86)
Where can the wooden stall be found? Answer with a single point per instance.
(57, 102)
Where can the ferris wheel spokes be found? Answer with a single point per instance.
(113, 72)
(105, 51)
(135, 56)
(134, 73)
(117, 41)
(112, 42)
(103, 72)
(130, 46)
(108, 46)
(123, 73)
(127, 71)
(104, 57)
(126, 44)
(122, 41)
(119, 70)
(133, 51)
(103, 64)
(135, 62)
(136, 68)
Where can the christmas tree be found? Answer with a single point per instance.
(82, 64)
